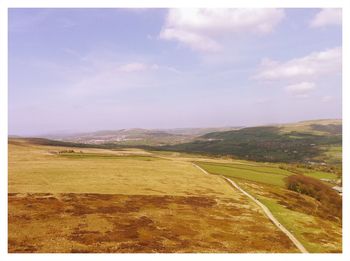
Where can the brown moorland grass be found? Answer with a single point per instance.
(136, 223)
(124, 203)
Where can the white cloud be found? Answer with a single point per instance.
(201, 28)
(311, 66)
(327, 17)
(301, 89)
(195, 41)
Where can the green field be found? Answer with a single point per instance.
(319, 174)
(267, 174)
(254, 173)
(308, 229)
(294, 211)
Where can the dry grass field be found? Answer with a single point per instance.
(93, 200)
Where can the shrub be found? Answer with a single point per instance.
(66, 151)
(329, 199)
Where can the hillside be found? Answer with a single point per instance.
(310, 141)
(152, 137)
(124, 136)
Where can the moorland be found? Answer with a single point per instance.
(144, 190)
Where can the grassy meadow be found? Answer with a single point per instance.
(304, 216)
(65, 199)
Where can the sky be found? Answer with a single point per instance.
(73, 70)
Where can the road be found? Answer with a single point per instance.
(268, 213)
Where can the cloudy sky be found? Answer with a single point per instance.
(96, 69)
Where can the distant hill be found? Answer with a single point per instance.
(322, 127)
(136, 137)
(199, 131)
(300, 142)
(311, 142)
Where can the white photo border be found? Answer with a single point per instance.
(6, 4)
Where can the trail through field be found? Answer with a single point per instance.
(295, 241)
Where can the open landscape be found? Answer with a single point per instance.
(175, 130)
(127, 201)
(88, 199)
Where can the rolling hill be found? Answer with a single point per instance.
(150, 137)
(311, 142)
(308, 141)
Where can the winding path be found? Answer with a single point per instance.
(295, 241)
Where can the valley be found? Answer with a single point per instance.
(69, 197)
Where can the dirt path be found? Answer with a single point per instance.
(295, 241)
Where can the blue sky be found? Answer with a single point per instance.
(95, 69)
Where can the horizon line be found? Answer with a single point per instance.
(70, 132)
